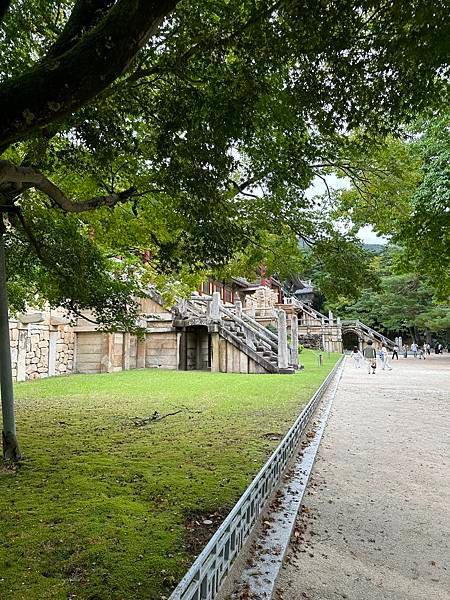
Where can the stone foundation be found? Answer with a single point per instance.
(40, 349)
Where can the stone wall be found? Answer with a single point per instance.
(39, 349)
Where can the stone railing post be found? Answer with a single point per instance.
(330, 317)
(294, 341)
(282, 341)
(214, 311)
(238, 308)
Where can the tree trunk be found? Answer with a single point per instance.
(11, 450)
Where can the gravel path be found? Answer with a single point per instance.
(376, 518)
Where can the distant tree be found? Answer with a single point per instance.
(402, 189)
(403, 303)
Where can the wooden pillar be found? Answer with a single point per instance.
(182, 350)
(141, 352)
(215, 353)
(198, 350)
(108, 347)
(126, 352)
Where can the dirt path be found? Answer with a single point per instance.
(376, 520)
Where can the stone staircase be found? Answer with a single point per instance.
(239, 329)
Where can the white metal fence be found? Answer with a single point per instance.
(208, 572)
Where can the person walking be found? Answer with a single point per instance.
(395, 352)
(370, 355)
(385, 359)
(405, 351)
(428, 349)
(357, 357)
(414, 349)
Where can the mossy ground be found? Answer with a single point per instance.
(98, 508)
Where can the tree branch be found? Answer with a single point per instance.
(29, 177)
(85, 15)
(4, 6)
(58, 86)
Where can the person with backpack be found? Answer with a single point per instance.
(370, 355)
(395, 352)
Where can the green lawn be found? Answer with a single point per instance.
(103, 509)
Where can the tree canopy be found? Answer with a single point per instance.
(191, 127)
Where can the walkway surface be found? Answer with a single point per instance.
(376, 518)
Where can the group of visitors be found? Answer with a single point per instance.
(418, 351)
(369, 355)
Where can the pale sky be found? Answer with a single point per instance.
(365, 234)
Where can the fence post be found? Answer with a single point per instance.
(282, 341)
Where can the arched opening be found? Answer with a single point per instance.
(350, 339)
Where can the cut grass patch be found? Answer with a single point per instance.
(105, 504)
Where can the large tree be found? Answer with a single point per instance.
(187, 126)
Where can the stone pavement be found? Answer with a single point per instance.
(376, 519)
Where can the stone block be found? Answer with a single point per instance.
(14, 343)
(34, 360)
(43, 344)
(42, 369)
(14, 334)
(62, 367)
(30, 369)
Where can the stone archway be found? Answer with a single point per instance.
(350, 339)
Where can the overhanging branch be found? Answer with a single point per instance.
(29, 177)
(56, 87)
(84, 16)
